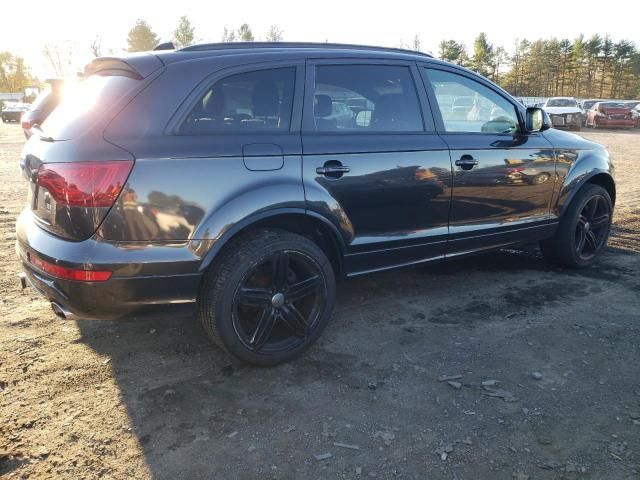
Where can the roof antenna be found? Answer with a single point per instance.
(165, 46)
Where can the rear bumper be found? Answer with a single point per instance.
(143, 275)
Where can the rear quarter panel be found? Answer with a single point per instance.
(172, 199)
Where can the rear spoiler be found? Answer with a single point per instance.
(136, 66)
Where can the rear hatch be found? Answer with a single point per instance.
(75, 175)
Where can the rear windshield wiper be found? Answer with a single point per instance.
(44, 137)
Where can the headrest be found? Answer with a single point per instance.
(265, 99)
(390, 104)
(214, 105)
(323, 106)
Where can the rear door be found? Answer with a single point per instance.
(373, 164)
(503, 177)
(231, 150)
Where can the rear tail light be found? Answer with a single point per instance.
(69, 273)
(26, 124)
(85, 184)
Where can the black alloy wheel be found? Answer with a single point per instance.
(267, 297)
(583, 230)
(278, 303)
(592, 227)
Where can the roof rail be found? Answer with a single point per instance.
(248, 45)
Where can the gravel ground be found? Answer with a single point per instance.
(545, 367)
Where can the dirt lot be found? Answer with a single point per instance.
(152, 398)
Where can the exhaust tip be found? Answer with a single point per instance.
(57, 309)
(61, 312)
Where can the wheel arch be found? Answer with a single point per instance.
(590, 166)
(306, 223)
(595, 177)
(605, 181)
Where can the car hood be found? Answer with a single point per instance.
(562, 110)
(614, 110)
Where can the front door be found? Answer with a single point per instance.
(373, 164)
(503, 178)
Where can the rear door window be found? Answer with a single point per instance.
(365, 98)
(260, 100)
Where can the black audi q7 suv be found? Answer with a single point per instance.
(219, 175)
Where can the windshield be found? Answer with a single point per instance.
(561, 102)
(613, 105)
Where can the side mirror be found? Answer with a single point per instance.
(537, 120)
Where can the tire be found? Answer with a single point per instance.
(248, 301)
(541, 178)
(580, 238)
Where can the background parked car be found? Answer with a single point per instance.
(564, 112)
(610, 114)
(635, 114)
(13, 111)
(43, 105)
(586, 105)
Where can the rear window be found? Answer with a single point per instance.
(41, 99)
(83, 102)
(252, 101)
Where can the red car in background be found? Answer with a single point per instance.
(635, 114)
(610, 115)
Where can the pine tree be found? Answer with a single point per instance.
(244, 33)
(452, 51)
(274, 34)
(184, 34)
(483, 55)
(141, 38)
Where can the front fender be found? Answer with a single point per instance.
(574, 169)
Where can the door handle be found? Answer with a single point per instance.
(332, 169)
(335, 169)
(466, 162)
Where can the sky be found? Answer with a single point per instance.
(25, 31)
